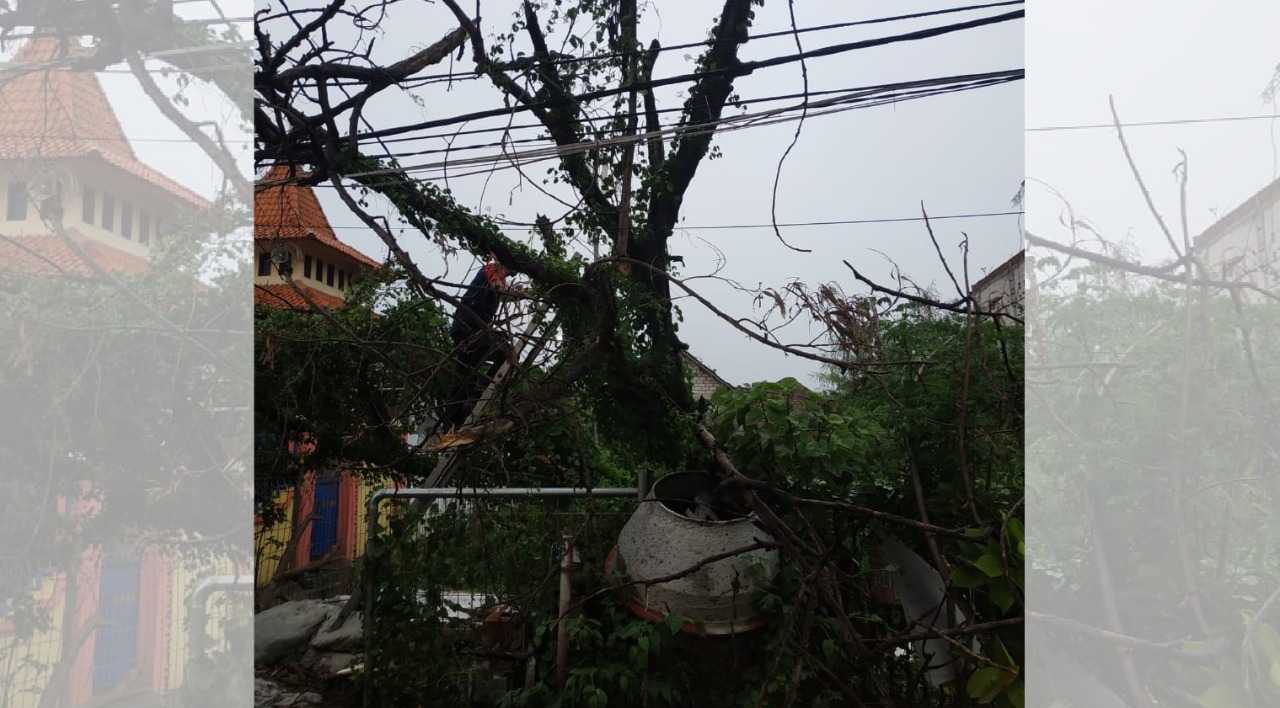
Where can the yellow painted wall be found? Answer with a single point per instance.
(269, 544)
(362, 515)
(25, 663)
(187, 573)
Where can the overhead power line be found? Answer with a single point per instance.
(794, 224)
(563, 61)
(849, 222)
(739, 70)
(998, 77)
(862, 98)
(69, 62)
(1149, 123)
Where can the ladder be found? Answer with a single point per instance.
(439, 476)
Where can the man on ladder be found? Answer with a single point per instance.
(476, 341)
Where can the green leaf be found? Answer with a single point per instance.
(1223, 696)
(829, 649)
(1001, 653)
(1267, 640)
(990, 565)
(965, 578)
(1001, 594)
(985, 684)
(1016, 530)
(674, 623)
(1017, 694)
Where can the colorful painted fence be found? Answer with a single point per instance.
(116, 630)
(325, 516)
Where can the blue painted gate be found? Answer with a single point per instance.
(324, 530)
(115, 649)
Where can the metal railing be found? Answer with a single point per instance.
(428, 495)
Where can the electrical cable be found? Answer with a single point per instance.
(1150, 123)
(860, 98)
(544, 139)
(563, 61)
(796, 224)
(740, 70)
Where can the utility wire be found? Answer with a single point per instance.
(508, 161)
(739, 70)
(795, 224)
(545, 139)
(494, 163)
(536, 155)
(563, 61)
(1149, 123)
(859, 98)
(767, 35)
(70, 62)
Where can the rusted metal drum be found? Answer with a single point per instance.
(677, 527)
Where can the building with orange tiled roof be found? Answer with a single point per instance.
(290, 224)
(322, 514)
(61, 146)
(62, 150)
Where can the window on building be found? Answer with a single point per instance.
(108, 212)
(264, 264)
(126, 219)
(319, 270)
(306, 266)
(342, 279)
(17, 209)
(144, 227)
(329, 281)
(88, 205)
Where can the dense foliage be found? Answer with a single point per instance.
(124, 425)
(1148, 462)
(853, 447)
(921, 442)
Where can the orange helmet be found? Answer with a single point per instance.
(495, 274)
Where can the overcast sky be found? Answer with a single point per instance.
(958, 154)
(1161, 61)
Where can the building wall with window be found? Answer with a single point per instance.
(1003, 289)
(705, 380)
(62, 150)
(325, 513)
(97, 201)
(315, 265)
(1242, 245)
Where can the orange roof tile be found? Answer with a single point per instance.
(292, 211)
(50, 255)
(284, 297)
(53, 111)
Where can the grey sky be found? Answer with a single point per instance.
(1161, 61)
(156, 140)
(959, 154)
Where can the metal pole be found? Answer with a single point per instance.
(566, 600)
(431, 494)
(196, 612)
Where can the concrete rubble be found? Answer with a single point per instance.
(302, 635)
